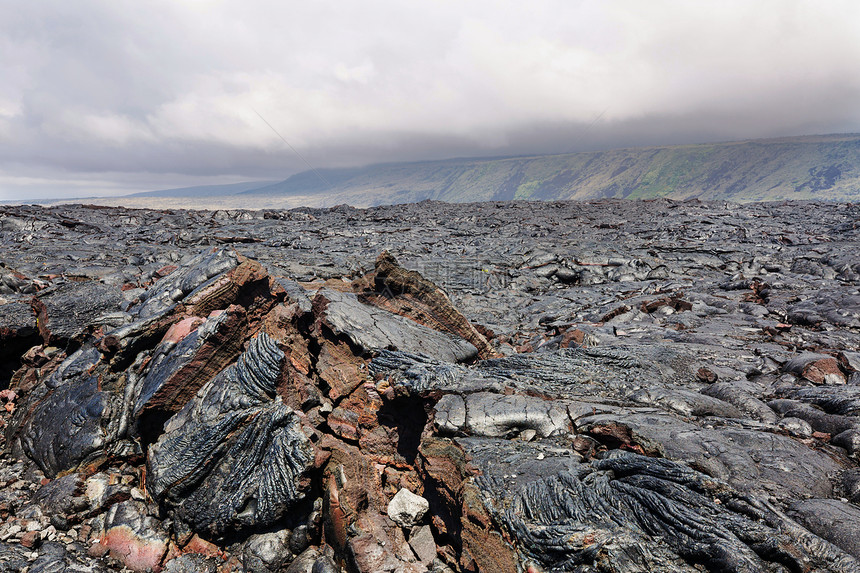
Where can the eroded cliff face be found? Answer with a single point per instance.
(218, 414)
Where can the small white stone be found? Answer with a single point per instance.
(96, 488)
(407, 509)
(528, 435)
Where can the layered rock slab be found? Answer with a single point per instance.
(408, 293)
(372, 330)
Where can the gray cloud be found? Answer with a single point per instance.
(106, 97)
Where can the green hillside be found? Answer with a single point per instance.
(808, 167)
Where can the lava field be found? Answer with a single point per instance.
(504, 387)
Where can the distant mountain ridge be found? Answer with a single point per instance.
(825, 167)
(205, 190)
(804, 167)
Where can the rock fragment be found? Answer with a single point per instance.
(133, 537)
(833, 520)
(407, 509)
(267, 552)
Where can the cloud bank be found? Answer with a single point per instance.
(103, 97)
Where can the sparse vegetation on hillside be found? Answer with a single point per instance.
(814, 167)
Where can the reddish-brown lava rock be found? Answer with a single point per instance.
(672, 302)
(31, 539)
(337, 364)
(824, 371)
(344, 423)
(296, 386)
(179, 330)
(483, 545)
(248, 285)
(381, 444)
(164, 271)
(219, 350)
(298, 391)
(706, 375)
(280, 324)
(339, 367)
(371, 554)
(36, 366)
(612, 434)
(458, 514)
(572, 338)
(196, 546)
(617, 311)
(352, 485)
(354, 508)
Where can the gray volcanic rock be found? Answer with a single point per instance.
(195, 275)
(372, 330)
(736, 394)
(494, 415)
(193, 563)
(14, 282)
(754, 463)
(64, 312)
(13, 557)
(751, 460)
(834, 520)
(234, 456)
(842, 400)
(631, 513)
(16, 321)
(71, 420)
(267, 552)
(62, 495)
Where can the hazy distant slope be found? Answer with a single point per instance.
(823, 167)
(205, 190)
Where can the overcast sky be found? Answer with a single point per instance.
(108, 97)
